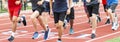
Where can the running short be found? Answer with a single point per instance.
(71, 15)
(14, 11)
(112, 7)
(59, 16)
(93, 9)
(40, 9)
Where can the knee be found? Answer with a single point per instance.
(14, 20)
(109, 10)
(32, 17)
(60, 24)
(94, 16)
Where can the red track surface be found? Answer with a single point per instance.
(81, 27)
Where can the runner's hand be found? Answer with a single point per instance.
(18, 2)
(39, 2)
(5, 6)
(88, 1)
(68, 11)
(51, 14)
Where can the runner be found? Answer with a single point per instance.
(14, 7)
(59, 9)
(111, 5)
(39, 13)
(70, 18)
(86, 11)
(93, 11)
(104, 2)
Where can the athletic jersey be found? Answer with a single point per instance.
(60, 5)
(34, 4)
(11, 3)
(104, 2)
(110, 2)
(91, 2)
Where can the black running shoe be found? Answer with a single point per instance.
(93, 36)
(98, 19)
(24, 21)
(108, 21)
(59, 40)
(11, 38)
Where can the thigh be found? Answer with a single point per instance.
(35, 14)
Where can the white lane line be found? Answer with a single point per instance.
(103, 36)
(79, 31)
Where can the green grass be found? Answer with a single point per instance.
(3, 10)
(114, 40)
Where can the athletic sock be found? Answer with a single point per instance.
(46, 26)
(13, 34)
(21, 19)
(108, 17)
(93, 31)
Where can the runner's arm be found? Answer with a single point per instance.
(51, 7)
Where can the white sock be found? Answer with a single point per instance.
(21, 19)
(108, 17)
(13, 34)
(46, 26)
(93, 31)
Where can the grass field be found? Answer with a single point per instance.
(114, 40)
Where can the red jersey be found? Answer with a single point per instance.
(104, 2)
(11, 3)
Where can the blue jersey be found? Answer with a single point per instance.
(110, 2)
(60, 5)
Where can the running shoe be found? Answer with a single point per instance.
(11, 38)
(115, 26)
(35, 35)
(46, 35)
(59, 40)
(93, 36)
(71, 31)
(98, 19)
(108, 21)
(24, 21)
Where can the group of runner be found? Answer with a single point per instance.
(62, 11)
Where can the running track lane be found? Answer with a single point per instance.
(80, 28)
